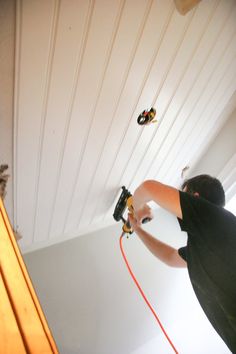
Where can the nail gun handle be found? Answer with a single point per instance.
(127, 227)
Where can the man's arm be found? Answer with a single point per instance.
(161, 250)
(165, 196)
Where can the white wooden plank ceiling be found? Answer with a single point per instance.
(84, 72)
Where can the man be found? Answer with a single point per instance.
(210, 254)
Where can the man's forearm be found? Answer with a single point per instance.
(161, 250)
(165, 196)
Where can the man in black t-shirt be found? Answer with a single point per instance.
(210, 254)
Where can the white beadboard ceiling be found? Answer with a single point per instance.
(84, 71)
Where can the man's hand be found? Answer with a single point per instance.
(143, 213)
(165, 196)
(138, 216)
(161, 250)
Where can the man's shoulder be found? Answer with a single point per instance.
(198, 213)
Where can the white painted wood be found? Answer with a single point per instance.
(61, 94)
(207, 82)
(85, 70)
(201, 134)
(178, 84)
(205, 60)
(91, 76)
(106, 99)
(153, 85)
(35, 47)
(145, 53)
(175, 108)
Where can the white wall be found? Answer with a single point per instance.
(7, 41)
(93, 306)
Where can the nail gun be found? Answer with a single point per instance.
(125, 201)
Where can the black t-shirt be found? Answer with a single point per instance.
(211, 259)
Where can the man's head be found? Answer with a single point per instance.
(206, 187)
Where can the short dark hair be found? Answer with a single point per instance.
(208, 187)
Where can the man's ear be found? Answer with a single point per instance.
(196, 194)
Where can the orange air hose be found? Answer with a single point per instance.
(143, 295)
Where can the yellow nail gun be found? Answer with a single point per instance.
(125, 201)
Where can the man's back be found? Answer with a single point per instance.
(211, 258)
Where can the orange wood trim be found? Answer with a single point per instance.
(10, 239)
(14, 342)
